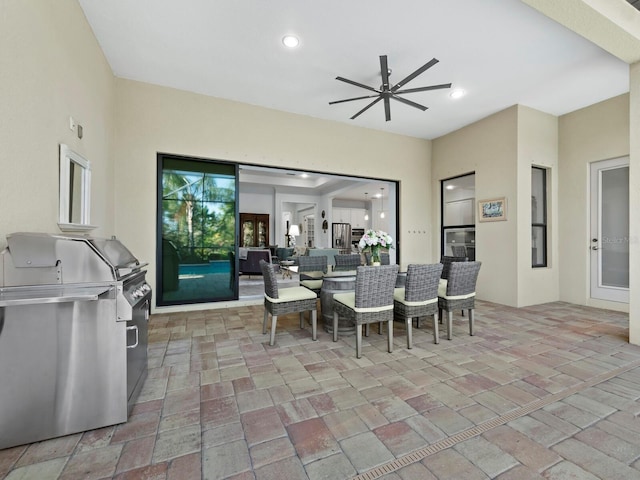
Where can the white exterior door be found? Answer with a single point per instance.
(609, 240)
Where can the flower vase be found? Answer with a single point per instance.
(375, 256)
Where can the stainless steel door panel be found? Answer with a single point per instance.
(137, 340)
(61, 369)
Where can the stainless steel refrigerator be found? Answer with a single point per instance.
(341, 237)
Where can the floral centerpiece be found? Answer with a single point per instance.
(373, 241)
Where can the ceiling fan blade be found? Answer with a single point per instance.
(422, 69)
(410, 103)
(351, 99)
(384, 72)
(424, 89)
(367, 107)
(387, 108)
(361, 85)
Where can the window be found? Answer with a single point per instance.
(538, 217)
(458, 216)
(196, 231)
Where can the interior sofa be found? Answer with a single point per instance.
(250, 260)
(330, 253)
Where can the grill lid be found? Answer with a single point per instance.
(40, 258)
(115, 252)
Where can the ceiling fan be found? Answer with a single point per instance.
(388, 91)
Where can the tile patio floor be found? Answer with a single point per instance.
(549, 392)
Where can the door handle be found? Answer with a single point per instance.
(594, 247)
(135, 329)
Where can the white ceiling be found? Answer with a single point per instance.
(501, 52)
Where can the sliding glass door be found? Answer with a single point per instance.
(197, 213)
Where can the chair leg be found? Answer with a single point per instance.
(390, 336)
(436, 337)
(314, 324)
(471, 320)
(264, 322)
(301, 319)
(335, 326)
(449, 324)
(417, 322)
(440, 314)
(409, 333)
(358, 341)
(274, 320)
(379, 328)
(366, 330)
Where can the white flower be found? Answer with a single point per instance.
(375, 238)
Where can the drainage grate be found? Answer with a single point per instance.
(421, 454)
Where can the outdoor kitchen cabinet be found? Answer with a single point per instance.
(74, 313)
(254, 229)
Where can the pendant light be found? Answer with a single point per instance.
(381, 202)
(366, 210)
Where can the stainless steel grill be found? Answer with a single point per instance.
(73, 335)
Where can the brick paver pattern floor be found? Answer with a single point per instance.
(544, 392)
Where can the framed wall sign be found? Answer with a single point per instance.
(493, 210)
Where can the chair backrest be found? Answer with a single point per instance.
(384, 258)
(471, 254)
(347, 261)
(374, 286)
(422, 282)
(284, 253)
(312, 264)
(270, 280)
(462, 278)
(446, 264)
(459, 250)
(254, 256)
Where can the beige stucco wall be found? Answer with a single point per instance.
(598, 132)
(51, 67)
(537, 146)
(154, 119)
(634, 201)
(488, 148)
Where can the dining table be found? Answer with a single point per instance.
(332, 283)
(342, 282)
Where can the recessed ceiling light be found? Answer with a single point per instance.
(305, 175)
(290, 41)
(450, 187)
(457, 93)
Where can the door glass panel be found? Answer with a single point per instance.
(461, 242)
(538, 245)
(614, 243)
(458, 217)
(197, 228)
(247, 233)
(262, 233)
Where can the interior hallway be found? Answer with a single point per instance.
(549, 391)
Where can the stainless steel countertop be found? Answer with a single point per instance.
(14, 296)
